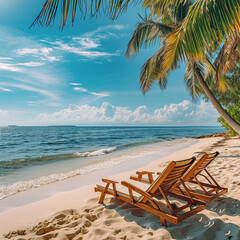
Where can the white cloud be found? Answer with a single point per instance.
(80, 89)
(184, 113)
(169, 112)
(79, 50)
(42, 52)
(104, 32)
(5, 89)
(41, 91)
(75, 84)
(13, 67)
(25, 51)
(100, 94)
(5, 58)
(86, 43)
(10, 67)
(30, 64)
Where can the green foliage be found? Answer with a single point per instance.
(232, 94)
(150, 32)
(207, 23)
(191, 81)
(146, 34)
(234, 112)
(152, 71)
(230, 99)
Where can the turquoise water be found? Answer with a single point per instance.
(33, 156)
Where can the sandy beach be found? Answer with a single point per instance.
(57, 211)
(92, 93)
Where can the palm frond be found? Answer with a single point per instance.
(207, 22)
(171, 13)
(222, 84)
(210, 76)
(152, 71)
(228, 56)
(191, 80)
(146, 33)
(110, 8)
(174, 50)
(163, 5)
(166, 18)
(219, 83)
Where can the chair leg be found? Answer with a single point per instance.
(163, 221)
(102, 197)
(103, 194)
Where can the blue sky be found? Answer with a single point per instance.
(81, 76)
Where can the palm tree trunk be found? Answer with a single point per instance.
(234, 125)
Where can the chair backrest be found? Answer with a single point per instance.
(170, 175)
(200, 165)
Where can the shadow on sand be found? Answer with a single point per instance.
(196, 227)
(224, 206)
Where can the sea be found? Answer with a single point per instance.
(34, 156)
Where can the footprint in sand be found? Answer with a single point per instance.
(87, 224)
(91, 217)
(117, 231)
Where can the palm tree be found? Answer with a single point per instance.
(198, 70)
(187, 31)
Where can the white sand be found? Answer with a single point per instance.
(75, 214)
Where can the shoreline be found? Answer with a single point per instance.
(135, 157)
(79, 196)
(82, 180)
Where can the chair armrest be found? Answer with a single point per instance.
(144, 172)
(108, 180)
(147, 172)
(136, 189)
(150, 175)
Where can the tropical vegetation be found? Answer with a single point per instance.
(198, 33)
(230, 99)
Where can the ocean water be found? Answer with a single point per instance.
(35, 156)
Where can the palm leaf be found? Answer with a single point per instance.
(146, 33)
(191, 80)
(111, 8)
(152, 71)
(211, 76)
(164, 5)
(207, 22)
(228, 56)
(174, 50)
(172, 14)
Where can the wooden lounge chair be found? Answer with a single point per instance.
(210, 189)
(143, 195)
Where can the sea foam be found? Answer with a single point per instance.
(10, 189)
(96, 153)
